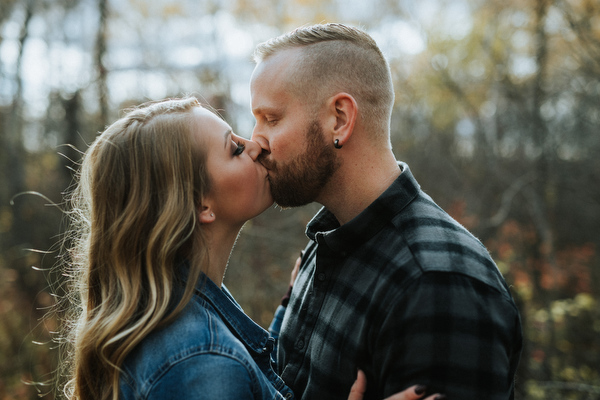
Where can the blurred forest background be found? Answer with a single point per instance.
(497, 112)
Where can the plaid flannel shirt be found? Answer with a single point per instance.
(404, 293)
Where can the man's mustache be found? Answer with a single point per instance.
(265, 161)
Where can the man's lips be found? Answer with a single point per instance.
(266, 163)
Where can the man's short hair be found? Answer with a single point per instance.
(338, 58)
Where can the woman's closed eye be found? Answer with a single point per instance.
(240, 146)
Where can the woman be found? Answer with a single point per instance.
(161, 197)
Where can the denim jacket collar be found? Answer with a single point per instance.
(254, 337)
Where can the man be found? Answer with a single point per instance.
(389, 283)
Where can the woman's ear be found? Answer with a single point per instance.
(343, 111)
(206, 215)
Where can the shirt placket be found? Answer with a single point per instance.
(313, 305)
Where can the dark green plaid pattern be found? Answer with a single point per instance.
(404, 293)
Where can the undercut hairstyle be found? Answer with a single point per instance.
(338, 58)
(134, 219)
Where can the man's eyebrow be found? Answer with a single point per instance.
(227, 134)
(260, 110)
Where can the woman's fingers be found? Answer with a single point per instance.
(415, 393)
(296, 269)
(358, 388)
(412, 393)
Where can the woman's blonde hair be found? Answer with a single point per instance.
(134, 219)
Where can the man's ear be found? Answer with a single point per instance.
(206, 215)
(343, 112)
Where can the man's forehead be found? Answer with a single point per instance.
(269, 103)
(277, 66)
(268, 87)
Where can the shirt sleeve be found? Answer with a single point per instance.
(452, 333)
(205, 376)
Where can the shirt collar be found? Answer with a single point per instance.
(326, 230)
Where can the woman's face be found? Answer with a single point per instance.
(239, 188)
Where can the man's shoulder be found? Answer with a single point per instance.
(426, 239)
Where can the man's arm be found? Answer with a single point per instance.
(452, 333)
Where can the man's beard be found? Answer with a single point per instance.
(301, 180)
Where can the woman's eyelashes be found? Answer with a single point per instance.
(239, 149)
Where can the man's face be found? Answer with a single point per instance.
(300, 180)
(295, 150)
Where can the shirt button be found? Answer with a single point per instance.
(321, 276)
(300, 344)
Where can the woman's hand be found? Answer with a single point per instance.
(285, 299)
(296, 269)
(412, 393)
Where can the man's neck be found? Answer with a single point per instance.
(358, 183)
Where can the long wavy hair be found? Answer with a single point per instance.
(134, 217)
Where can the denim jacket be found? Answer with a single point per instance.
(212, 350)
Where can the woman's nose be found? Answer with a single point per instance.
(253, 149)
(260, 140)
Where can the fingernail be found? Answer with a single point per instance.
(441, 397)
(420, 389)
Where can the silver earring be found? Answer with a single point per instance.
(337, 144)
(212, 215)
